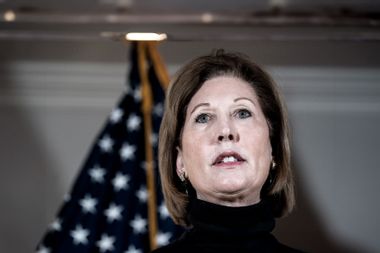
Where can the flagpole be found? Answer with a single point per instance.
(158, 65)
(147, 108)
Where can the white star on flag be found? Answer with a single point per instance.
(137, 94)
(163, 210)
(79, 235)
(113, 212)
(154, 139)
(163, 238)
(120, 181)
(97, 174)
(56, 225)
(106, 243)
(43, 249)
(116, 115)
(127, 152)
(67, 197)
(132, 249)
(133, 122)
(158, 109)
(88, 204)
(138, 224)
(106, 144)
(142, 194)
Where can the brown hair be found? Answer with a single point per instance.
(186, 83)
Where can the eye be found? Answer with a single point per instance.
(243, 113)
(203, 118)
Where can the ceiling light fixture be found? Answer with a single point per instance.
(146, 36)
(9, 16)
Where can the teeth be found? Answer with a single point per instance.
(229, 159)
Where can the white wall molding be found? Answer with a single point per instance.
(60, 84)
(88, 84)
(330, 89)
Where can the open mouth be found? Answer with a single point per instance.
(227, 158)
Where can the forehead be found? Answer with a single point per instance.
(224, 87)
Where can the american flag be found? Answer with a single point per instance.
(107, 208)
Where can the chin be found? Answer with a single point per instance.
(232, 181)
(232, 187)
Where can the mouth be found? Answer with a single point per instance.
(228, 158)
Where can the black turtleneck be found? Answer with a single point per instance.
(218, 229)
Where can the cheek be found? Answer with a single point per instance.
(191, 147)
(257, 143)
(195, 156)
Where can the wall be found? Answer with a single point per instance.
(55, 96)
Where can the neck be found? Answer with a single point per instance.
(248, 219)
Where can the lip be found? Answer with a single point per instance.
(219, 158)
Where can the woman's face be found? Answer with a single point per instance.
(226, 151)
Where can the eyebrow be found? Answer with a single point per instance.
(244, 98)
(198, 105)
(235, 100)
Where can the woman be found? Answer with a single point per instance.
(224, 156)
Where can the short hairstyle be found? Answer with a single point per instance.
(185, 84)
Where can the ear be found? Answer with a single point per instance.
(180, 166)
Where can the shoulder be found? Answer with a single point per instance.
(286, 249)
(179, 247)
(182, 244)
(175, 248)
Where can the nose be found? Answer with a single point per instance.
(228, 133)
(228, 137)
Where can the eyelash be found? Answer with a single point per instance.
(205, 117)
(247, 112)
(198, 118)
